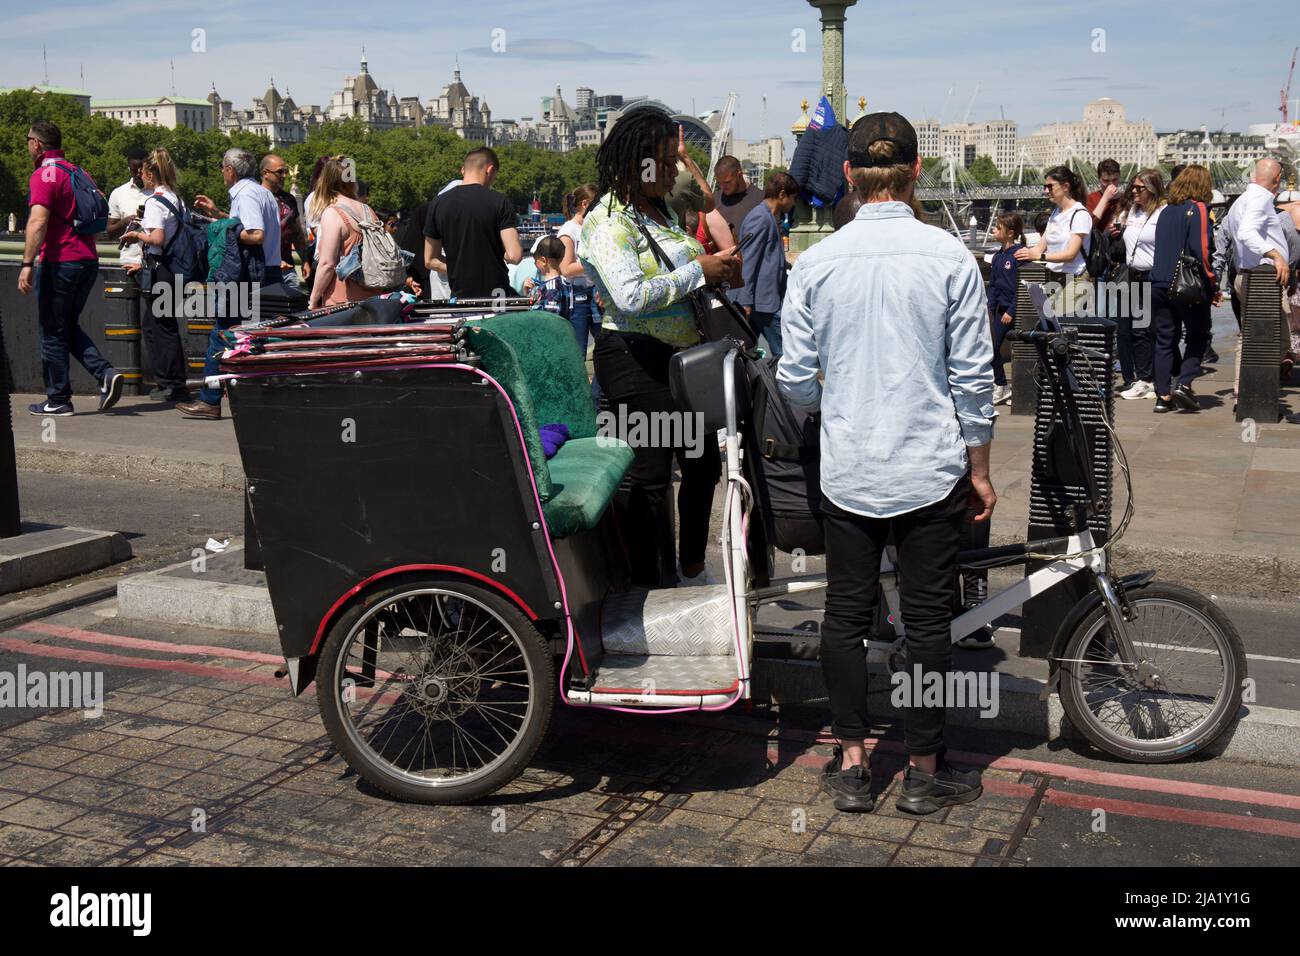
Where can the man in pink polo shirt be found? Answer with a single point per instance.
(63, 279)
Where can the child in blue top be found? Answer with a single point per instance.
(552, 291)
(1009, 230)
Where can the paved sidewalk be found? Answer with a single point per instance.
(201, 756)
(1217, 503)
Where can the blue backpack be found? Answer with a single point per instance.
(90, 216)
(186, 252)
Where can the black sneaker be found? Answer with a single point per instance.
(1211, 356)
(160, 395)
(1185, 398)
(111, 390)
(980, 639)
(851, 788)
(1162, 406)
(59, 410)
(926, 793)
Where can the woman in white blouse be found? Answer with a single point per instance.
(1065, 242)
(163, 212)
(1144, 199)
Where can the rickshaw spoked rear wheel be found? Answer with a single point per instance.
(436, 690)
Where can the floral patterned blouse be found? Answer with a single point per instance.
(639, 294)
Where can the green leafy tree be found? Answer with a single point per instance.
(983, 171)
(403, 167)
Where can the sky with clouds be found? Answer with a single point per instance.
(1176, 64)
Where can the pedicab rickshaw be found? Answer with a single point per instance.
(444, 583)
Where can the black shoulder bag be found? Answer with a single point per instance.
(716, 316)
(1188, 285)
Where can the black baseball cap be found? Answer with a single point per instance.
(875, 127)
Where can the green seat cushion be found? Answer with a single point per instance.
(553, 369)
(585, 472)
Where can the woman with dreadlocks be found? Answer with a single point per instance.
(644, 266)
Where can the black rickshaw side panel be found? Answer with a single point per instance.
(356, 477)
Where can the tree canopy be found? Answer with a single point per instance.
(403, 167)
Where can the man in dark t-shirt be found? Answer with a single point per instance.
(474, 227)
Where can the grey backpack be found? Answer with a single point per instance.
(375, 261)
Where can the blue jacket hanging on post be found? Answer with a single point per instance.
(818, 163)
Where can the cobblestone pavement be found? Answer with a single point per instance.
(207, 733)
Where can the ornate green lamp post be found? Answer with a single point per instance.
(809, 224)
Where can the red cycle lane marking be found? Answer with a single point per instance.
(1105, 778)
(1152, 811)
(1129, 808)
(141, 663)
(144, 644)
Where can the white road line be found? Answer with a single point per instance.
(1192, 650)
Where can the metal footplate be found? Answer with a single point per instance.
(668, 648)
(672, 622)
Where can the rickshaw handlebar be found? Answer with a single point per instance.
(1061, 343)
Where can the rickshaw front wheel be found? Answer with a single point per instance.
(436, 690)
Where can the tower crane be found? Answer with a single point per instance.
(1286, 90)
(717, 150)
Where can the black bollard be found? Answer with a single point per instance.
(1056, 493)
(10, 514)
(1264, 340)
(1024, 357)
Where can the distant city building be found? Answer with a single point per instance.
(172, 112)
(961, 143)
(81, 96)
(1206, 148)
(556, 130)
(766, 153)
(1280, 139)
(1104, 133)
(361, 98)
(276, 117)
(459, 111)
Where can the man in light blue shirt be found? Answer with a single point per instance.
(253, 205)
(891, 313)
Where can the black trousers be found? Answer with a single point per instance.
(1169, 321)
(162, 335)
(633, 374)
(1134, 345)
(999, 336)
(927, 540)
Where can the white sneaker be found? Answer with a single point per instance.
(1138, 389)
(1001, 393)
(703, 579)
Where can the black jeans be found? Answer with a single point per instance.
(1134, 344)
(62, 289)
(1169, 320)
(162, 335)
(633, 374)
(928, 542)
